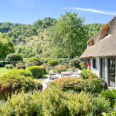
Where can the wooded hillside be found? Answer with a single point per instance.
(32, 40)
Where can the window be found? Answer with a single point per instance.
(105, 31)
(94, 63)
(109, 32)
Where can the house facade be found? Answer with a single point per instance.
(101, 53)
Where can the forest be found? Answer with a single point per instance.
(32, 40)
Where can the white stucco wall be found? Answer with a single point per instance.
(97, 70)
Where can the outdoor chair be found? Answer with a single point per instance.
(52, 75)
(78, 74)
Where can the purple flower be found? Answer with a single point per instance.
(103, 84)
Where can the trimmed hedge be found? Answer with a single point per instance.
(9, 66)
(75, 63)
(10, 83)
(59, 70)
(52, 62)
(33, 61)
(20, 72)
(37, 71)
(14, 57)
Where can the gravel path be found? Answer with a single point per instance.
(47, 80)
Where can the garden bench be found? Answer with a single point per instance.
(65, 74)
(52, 75)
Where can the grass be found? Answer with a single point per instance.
(41, 80)
(3, 71)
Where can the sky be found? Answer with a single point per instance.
(29, 11)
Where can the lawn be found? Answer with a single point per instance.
(41, 80)
(3, 71)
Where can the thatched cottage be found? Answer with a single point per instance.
(101, 52)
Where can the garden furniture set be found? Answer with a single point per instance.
(77, 74)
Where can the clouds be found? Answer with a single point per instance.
(91, 10)
(23, 3)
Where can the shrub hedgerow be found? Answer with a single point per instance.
(20, 72)
(37, 71)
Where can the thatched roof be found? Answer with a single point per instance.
(103, 46)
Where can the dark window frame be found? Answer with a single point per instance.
(94, 63)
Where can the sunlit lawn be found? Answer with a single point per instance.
(41, 80)
(3, 71)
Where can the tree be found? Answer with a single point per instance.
(14, 58)
(69, 35)
(6, 47)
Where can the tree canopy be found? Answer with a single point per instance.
(69, 35)
(32, 40)
(6, 47)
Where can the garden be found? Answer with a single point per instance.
(21, 91)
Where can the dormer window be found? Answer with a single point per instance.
(90, 42)
(105, 31)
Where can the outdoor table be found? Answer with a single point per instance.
(65, 74)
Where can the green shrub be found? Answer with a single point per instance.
(60, 66)
(82, 64)
(52, 62)
(33, 61)
(75, 63)
(14, 57)
(92, 75)
(93, 85)
(36, 71)
(59, 70)
(54, 70)
(113, 113)
(38, 86)
(20, 72)
(9, 66)
(20, 66)
(105, 85)
(23, 104)
(69, 83)
(10, 83)
(85, 74)
(100, 105)
(44, 70)
(111, 95)
(50, 102)
(59, 103)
